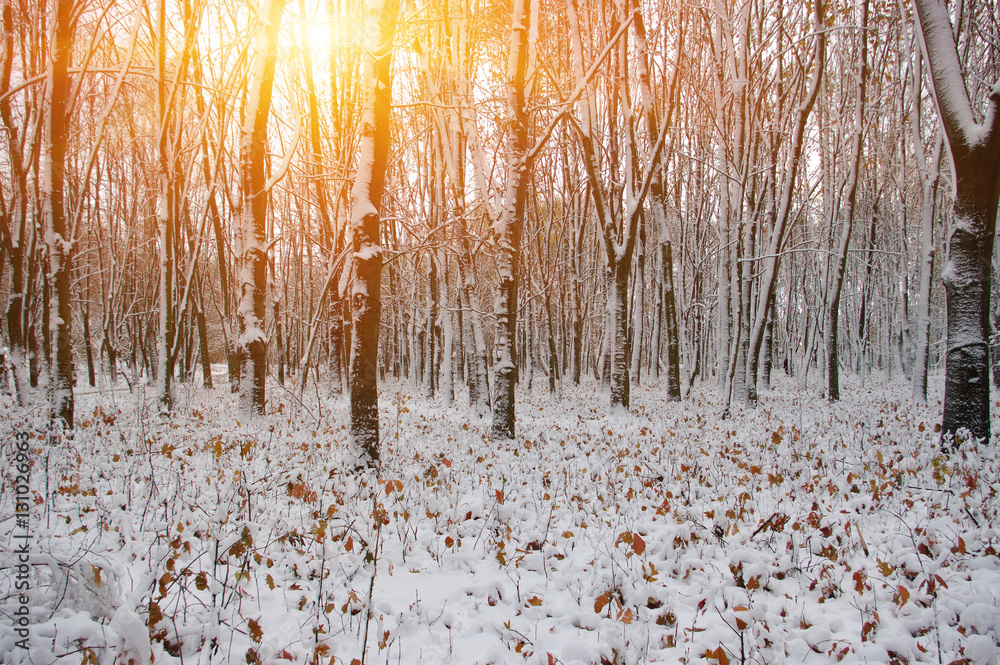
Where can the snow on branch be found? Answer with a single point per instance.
(938, 42)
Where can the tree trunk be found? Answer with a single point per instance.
(769, 280)
(833, 313)
(975, 153)
(928, 172)
(767, 351)
(252, 343)
(476, 359)
(511, 224)
(672, 327)
(59, 243)
(369, 186)
(13, 215)
(164, 218)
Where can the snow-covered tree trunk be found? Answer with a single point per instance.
(854, 164)
(13, 216)
(671, 325)
(164, 218)
(975, 155)
(369, 186)
(618, 325)
(252, 343)
(928, 174)
(477, 375)
(637, 331)
(447, 381)
(767, 352)
(771, 261)
(59, 241)
(510, 224)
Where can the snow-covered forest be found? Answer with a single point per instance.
(554, 331)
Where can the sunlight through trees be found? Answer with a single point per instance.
(481, 197)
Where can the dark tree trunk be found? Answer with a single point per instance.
(672, 330)
(975, 152)
(369, 186)
(767, 352)
(253, 145)
(833, 313)
(88, 346)
(58, 92)
(511, 225)
(13, 214)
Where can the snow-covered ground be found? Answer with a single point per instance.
(800, 532)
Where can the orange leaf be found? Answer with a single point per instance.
(602, 601)
(638, 544)
(255, 632)
(534, 601)
(499, 494)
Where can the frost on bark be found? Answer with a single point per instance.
(769, 279)
(369, 185)
(164, 218)
(833, 313)
(13, 214)
(929, 173)
(252, 343)
(511, 224)
(618, 204)
(59, 244)
(975, 153)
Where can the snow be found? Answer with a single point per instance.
(800, 532)
(368, 252)
(949, 83)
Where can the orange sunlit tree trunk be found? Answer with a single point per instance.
(511, 224)
(369, 186)
(58, 235)
(253, 216)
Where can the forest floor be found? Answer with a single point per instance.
(799, 532)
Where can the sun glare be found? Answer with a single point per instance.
(322, 36)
